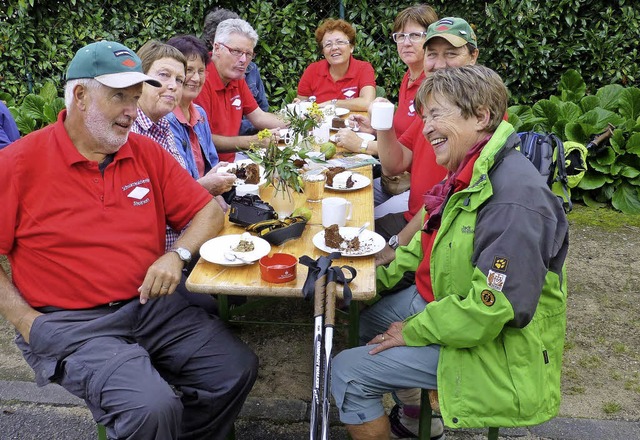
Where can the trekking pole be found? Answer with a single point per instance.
(329, 322)
(318, 313)
(600, 138)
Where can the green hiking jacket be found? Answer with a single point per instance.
(497, 271)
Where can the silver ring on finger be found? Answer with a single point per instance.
(382, 336)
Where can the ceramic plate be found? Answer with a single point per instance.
(359, 182)
(341, 111)
(232, 167)
(366, 136)
(214, 249)
(370, 242)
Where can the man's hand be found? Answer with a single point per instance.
(389, 339)
(162, 277)
(217, 182)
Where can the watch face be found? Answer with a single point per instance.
(184, 254)
(393, 242)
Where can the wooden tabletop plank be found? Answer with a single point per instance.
(245, 280)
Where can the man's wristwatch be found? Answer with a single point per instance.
(364, 146)
(393, 242)
(183, 253)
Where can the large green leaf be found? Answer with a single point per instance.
(630, 103)
(49, 91)
(589, 102)
(547, 110)
(569, 111)
(592, 180)
(609, 96)
(591, 202)
(600, 118)
(33, 106)
(572, 87)
(626, 199)
(633, 144)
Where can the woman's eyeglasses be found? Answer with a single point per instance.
(414, 37)
(338, 43)
(238, 53)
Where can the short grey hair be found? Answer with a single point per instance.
(469, 88)
(89, 83)
(212, 20)
(235, 26)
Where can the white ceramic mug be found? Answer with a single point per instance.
(335, 211)
(322, 132)
(382, 115)
(247, 188)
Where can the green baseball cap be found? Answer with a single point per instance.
(453, 29)
(109, 63)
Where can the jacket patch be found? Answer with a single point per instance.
(496, 280)
(500, 264)
(488, 298)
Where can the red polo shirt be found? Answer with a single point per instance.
(225, 105)
(406, 112)
(317, 81)
(425, 172)
(76, 238)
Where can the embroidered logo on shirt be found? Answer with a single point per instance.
(466, 230)
(496, 280)
(348, 93)
(488, 298)
(138, 193)
(500, 264)
(412, 109)
(236, 102)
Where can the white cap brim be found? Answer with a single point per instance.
(123, 80)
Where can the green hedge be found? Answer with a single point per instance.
(530, 43)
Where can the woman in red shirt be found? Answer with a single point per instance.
(409, 34)
(340, 78)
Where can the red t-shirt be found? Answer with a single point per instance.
(406, 112)
(425, 172)
(77, 239)
(225, 105)
(317, 81)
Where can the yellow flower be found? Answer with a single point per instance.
(264, 134)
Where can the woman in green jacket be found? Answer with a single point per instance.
(484, 323)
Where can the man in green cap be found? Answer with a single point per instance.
(85, 207)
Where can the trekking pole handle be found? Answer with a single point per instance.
(600, 138)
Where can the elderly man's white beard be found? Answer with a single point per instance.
(102, 130)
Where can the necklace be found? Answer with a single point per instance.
(412, 79)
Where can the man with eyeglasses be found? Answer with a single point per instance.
(225, 95)
(251, 75)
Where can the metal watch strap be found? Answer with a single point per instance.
(394, 242)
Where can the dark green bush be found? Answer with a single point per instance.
(530, 43)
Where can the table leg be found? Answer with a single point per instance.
(223, 307)
(354, 324)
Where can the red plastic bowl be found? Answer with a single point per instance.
(278, 268)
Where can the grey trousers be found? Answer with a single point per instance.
(163, 370)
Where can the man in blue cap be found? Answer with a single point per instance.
(86, 204)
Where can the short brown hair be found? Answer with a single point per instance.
(469, 88)
(153, 50)
(422, 14)
(332, 24)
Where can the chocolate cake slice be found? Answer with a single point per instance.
(332, 237)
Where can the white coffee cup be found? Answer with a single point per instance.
(322, 132)
(294, 108)
(247, 188)
(382, 115)
(335, 211)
